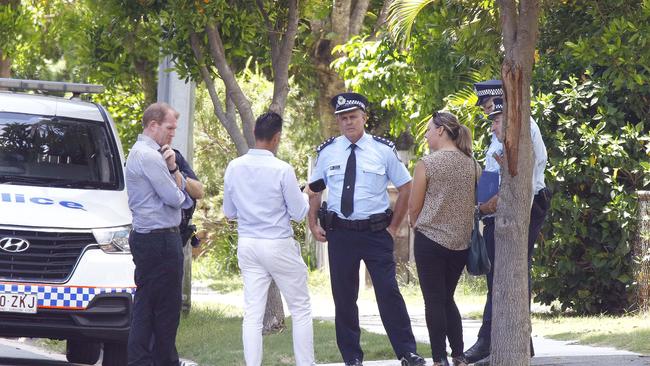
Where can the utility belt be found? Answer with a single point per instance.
(377, 222)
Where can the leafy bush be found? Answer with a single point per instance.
(595, 166)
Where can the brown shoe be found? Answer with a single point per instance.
(459, 361)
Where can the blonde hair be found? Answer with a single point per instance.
(458, 133)
(157, 112)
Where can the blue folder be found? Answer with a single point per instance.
(488, 186)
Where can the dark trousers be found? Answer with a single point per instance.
(346, 249)
(439, 270)
(158, 259)
(537, 215)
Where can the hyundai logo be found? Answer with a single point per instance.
(14, 245)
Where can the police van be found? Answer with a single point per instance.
(65, 266)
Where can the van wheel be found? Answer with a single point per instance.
(82, 352)
(115, 354)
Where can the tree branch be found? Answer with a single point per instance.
(229, 124)
(357, 16)
(232, 86)
(273, 37)
(509, 20)
(528, 26)
(340, 19)
(381, 19)
(281, 64)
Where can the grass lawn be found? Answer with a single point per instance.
(630, 332)
(211, 335)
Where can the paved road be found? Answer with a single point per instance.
(16, 353)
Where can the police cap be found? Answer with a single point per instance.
(498, 108)
(346, 102)
(487, 89)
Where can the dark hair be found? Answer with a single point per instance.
(267, 125)
(156, 112)
(458, 133)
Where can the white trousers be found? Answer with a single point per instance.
(261, 260)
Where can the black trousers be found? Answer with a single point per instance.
(158, 259)
(439, 270)
(346, 250)
(538, 211)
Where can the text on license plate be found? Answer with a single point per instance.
(18, 303)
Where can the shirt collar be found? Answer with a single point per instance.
(362, 143)
(149, 141)
(260, 152)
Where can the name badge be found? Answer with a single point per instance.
(334, 167)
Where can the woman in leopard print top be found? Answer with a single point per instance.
(441, 210)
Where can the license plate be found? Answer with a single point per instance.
(18, 303)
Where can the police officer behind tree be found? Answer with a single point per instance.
(359, 225)
(493, 105)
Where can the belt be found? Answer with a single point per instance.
(356, 225)
(173, 229)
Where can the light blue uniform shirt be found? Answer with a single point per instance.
(539, 155)
(154, 198)
(377, 163)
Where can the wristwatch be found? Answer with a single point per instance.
(174, 170)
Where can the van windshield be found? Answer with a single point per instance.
(56, 152)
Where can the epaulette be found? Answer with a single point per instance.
(384, 141)
(325, 144)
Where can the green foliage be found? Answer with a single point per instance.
(593, 115)
(594, 168)
(452, 45)
(125, 103)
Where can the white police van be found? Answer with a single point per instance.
(65, 267)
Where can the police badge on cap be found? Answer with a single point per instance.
(487, 89)
(346, 102)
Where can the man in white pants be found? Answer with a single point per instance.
(261, 192)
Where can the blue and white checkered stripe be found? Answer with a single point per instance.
(63, 297)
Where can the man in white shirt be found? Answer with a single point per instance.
(261, 192)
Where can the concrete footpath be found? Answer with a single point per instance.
(547, 351)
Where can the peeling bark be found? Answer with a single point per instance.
(512, 76)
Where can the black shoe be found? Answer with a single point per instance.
(532, 349)
(355, 362)
(412, 359)
(483, 362)
(480, 350)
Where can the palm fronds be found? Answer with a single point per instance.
(401, 16)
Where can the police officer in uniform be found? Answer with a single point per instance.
(490, 95)
(358, 224)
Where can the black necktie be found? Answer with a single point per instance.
(347, 197)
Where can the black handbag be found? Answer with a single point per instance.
(478, 262)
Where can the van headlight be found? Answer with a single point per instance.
(114, 239)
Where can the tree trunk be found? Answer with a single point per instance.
(511, 317)
(148, 77)
(329, 84)
(345, 22)
(274, 312)
(5, 66)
